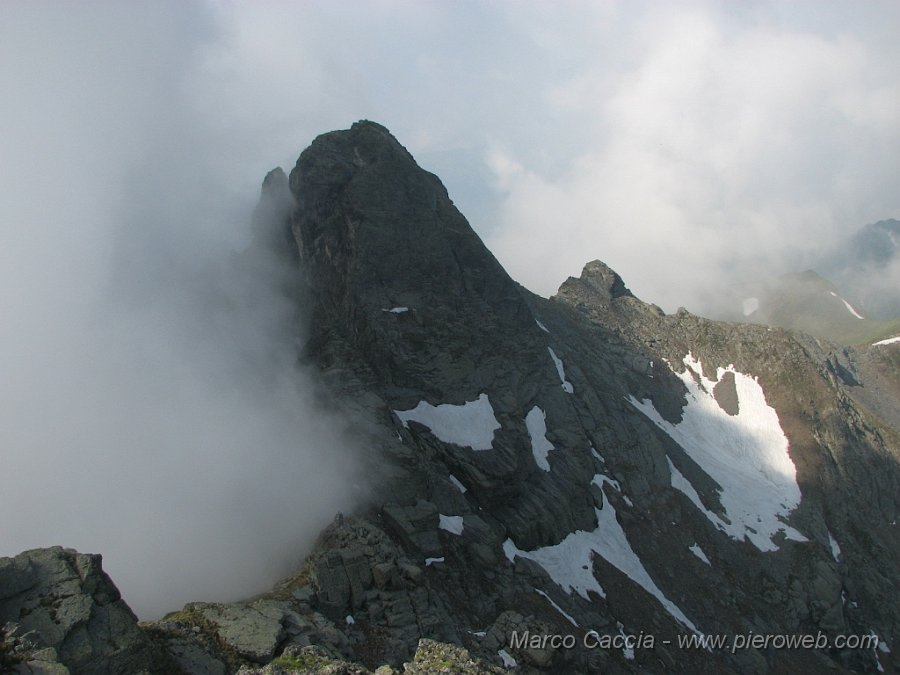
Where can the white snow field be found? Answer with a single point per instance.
(746, 454)
(889, 341)
(569, 563)
(471, 424)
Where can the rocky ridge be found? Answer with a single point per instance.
(408, 310)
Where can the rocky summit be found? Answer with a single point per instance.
(572, 485)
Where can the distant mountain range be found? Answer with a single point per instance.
(808, 302)
(852, 297)
(867, 268)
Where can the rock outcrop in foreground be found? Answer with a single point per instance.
(585, 467)
(57, 606)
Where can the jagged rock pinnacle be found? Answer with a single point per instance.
(604, 280)
(376, 232)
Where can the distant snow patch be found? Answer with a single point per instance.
(452, 524)
(567, 386)
(746, 454)
(536, 421)
(889, 341)
(432, 561)
(459, 486)
(541, 326)
(508, 660)
(570, 562)
(847, 305)
(750, 306)
(349, 620)
(471, 424)
(851, 310)
(396, 310)
(697, 551)
(557, 607)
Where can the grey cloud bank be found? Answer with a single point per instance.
(150, 409)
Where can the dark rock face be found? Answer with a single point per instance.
(408, 296)
(375, 232)
(571, 514)
(62, 606)
(601, 281)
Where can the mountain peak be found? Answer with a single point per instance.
(378, 233)
(604, 280)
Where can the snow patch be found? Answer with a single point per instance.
(432, 561)
(567, 386)
(570, 562)
(889, 341)
(452, 524)
(541, 326)
(459, 486)
(835, 547)
(847, 305)
(746, 454)
(557, 607)
(471, 424)
(508, 660)
(600, 479)
(536, 421)
(627, 652)
(396, 310)
(697, 551)
(851, 310)
(349, 620)
(750, 306)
